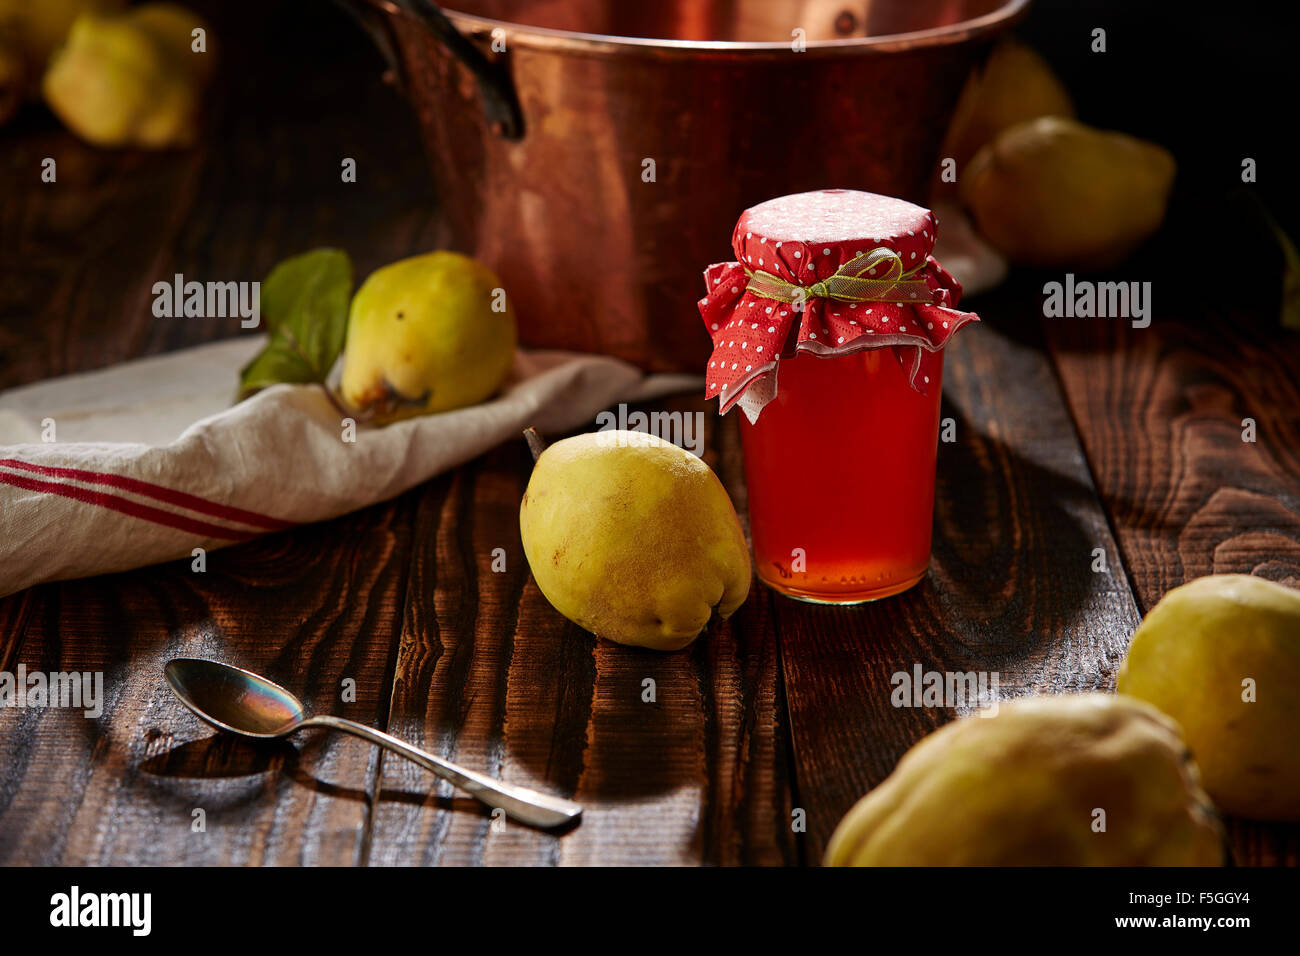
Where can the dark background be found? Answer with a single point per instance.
(1214, 83)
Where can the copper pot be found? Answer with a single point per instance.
(598, 157)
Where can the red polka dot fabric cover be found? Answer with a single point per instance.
(805, 238)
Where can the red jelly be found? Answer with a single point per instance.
(828, 332)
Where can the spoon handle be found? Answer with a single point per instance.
(528, 806)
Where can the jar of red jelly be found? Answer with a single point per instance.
(829, 332)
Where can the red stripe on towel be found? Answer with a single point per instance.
(127, 507)
(158, 492)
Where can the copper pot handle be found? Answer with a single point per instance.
(497, 89)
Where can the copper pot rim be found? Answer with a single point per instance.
(574, 42)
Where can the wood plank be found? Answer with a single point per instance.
(1160, 411)
(75, 294)
(1010, 588)
(491, 676)
(309, 608)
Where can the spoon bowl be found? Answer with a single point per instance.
(233, 699)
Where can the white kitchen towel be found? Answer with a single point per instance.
(146, 461)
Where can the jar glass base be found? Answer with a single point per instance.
(840, 475)
(865, 596)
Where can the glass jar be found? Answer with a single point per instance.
(829, 331)
(799, 458)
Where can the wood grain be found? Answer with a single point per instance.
(310, 608)
(1011, 587)
(490, 675)
(1161, 412)
(1162, 415)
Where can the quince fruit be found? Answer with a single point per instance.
(45, 23)
(1052, 192)
(130, 79)
(1221, 655)
(29, 32)
(427, 334)
(1074, 780)
(1013, 85)
(633, 538)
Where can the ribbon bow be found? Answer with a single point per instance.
(854, 282)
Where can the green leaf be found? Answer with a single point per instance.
(305, 311)
(276, 363)
(1290, 280)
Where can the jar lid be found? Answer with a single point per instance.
(855, 270)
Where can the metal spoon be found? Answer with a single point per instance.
(245, 703)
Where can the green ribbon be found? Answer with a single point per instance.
(853, 282)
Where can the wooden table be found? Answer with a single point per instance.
(1071, 436)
